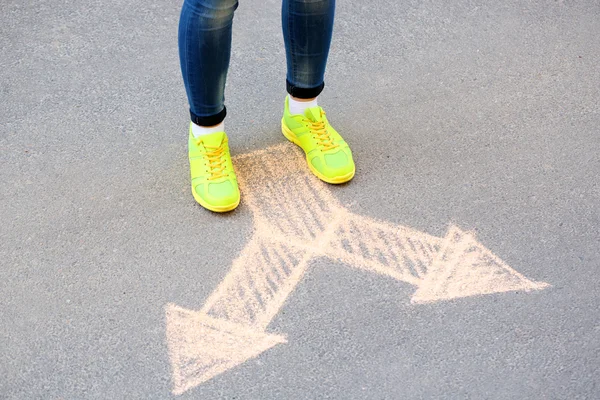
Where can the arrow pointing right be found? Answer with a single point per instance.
(441, 268)
(463, 267)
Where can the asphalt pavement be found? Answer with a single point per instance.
(479, 114)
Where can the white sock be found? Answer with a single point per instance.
(298, 107)
(198, 130)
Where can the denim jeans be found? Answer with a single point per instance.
(205, 47)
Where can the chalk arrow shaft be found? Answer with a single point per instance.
(393, 250)
(258, 283)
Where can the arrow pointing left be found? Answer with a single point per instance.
(202, 347)
(231, 327)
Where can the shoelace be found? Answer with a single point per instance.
(216, 161)
(319, 132)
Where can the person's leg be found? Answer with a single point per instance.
(307, 29)
(204, 52)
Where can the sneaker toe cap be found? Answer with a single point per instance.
(335, 164)
(219, 193)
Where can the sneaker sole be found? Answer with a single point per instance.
(289, 135)
(210, 207)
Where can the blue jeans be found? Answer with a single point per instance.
(205, 47)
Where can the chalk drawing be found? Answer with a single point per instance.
(296, 219)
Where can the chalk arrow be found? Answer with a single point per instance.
(296, 220)
(230, 328)
(441, 268)
(202, 347)
(463, 267)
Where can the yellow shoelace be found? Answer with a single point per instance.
(319, 132)
(216, 161)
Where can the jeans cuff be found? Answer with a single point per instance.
(211, 120)
(304, 93)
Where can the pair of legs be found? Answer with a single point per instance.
(205, 45)
(205, 29)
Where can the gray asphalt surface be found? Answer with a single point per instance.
(485, 114)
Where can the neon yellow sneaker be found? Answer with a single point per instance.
(327, 154)
(214, 184)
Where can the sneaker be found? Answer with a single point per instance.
(214, 184)
(327, 154)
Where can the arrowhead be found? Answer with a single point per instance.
(463, 267)
(202, 347)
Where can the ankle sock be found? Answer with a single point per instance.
(198, 130)
(298, 107)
